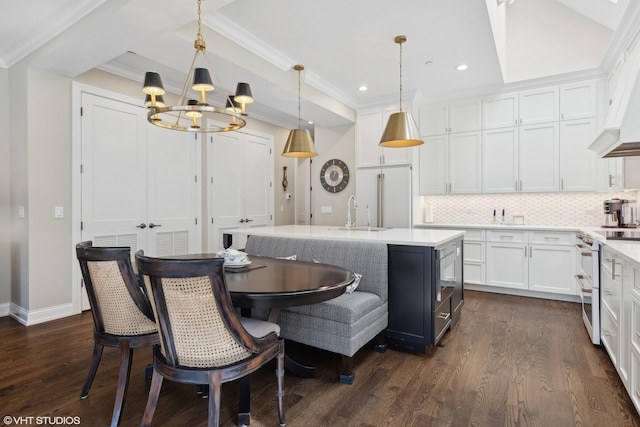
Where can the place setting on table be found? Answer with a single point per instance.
(236, 261)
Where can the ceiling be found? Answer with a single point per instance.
(342, 44)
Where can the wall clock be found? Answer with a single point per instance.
(334, 175)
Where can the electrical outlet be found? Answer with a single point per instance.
(326, 209)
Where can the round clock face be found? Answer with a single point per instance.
(334, 176)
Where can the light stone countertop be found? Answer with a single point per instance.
(394, 236)
(491, 226)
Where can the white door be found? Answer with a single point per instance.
(241, 184)
(367, 196)
(507, 265)
(552, 269)
(500, 111)
(368, 132)
(539, 105)
(434, 165)
(538, 165)
(500, 160)
(139, 185)
(396, 206)
(577, 162)
(113, 184)
(465, 162)
(303, 200)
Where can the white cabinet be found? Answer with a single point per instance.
(611, 293)
(538, 158)
(542, 261)
(462, 116)
(369, 127)
(474, 257)
(617, 173)
(451, 164)
(578, 100)
(577, 162)
(539, 105)
(500, 160)
(499, 111)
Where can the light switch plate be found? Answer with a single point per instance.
(20, 211)
(326, 209)
(58, 212)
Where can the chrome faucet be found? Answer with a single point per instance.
(355, 211)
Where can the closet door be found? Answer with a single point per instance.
(114, 181)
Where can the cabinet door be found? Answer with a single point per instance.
(368, 133)
(538, 151)
(465, 116)
(538, 105)
(394, 156)
(577, 162)
(507, 265)
(609, 174)
(465, 162)
(500, 160)
(500, 111)
(552, 269)
(578, 100)
(434, 170)
(434, 119)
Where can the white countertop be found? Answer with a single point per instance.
(628, 248)
(394, 236)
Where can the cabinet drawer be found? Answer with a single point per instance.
(514, 236)
(474, 251)
(611, 291)
(474, 235)
(474, 273)
(552, 237)
(441, 318)
(609, 335)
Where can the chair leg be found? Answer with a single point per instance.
(280, 377)
(347, 375)
(152, 401)
(126, 355)
(215, 381)
(95, 361)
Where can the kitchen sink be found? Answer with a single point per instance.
(363, 228)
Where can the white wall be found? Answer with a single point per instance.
(5, 195)
(334, 143)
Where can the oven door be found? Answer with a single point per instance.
(590, 301)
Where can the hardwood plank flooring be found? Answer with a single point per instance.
(510, 361)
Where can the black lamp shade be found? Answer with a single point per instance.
(233, 105)
(243, 93)
(194, 113)
(202, 80)
(153, 84)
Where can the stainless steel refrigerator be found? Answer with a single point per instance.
(386, 191)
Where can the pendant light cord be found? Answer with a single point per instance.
(299, 89)
(400, 75)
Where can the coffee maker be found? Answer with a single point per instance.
(612, 210)
(628, 214)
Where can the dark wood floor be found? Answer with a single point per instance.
(510, 361)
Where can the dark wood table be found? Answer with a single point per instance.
(274, 283)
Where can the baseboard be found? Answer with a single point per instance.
(4, 309)
(522, 293)
(42, 315)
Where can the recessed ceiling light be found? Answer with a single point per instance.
(462, 67)
(310, 122)
(363, 88)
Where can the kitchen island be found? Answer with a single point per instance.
(425, 283)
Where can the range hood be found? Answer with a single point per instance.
(620, 136)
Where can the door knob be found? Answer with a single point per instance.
(242, 221)
(141, 225)
(152, 225)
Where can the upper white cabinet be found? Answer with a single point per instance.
(500, 160)
(578, 100)
(538, 158)
(369, 127)
(500, 111)
(539, 105)
(451, 164)
(461, 116)
(577, 162)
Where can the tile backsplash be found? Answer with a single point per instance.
(555, 209)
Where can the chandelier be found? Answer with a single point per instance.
(191, 114)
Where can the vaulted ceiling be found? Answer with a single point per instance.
(343, 45)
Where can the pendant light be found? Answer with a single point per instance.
(202, 116)
(401, 129)
(299, 143)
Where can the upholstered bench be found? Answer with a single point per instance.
(343, 324)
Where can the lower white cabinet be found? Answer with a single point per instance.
(474, 257)
(532, 260)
